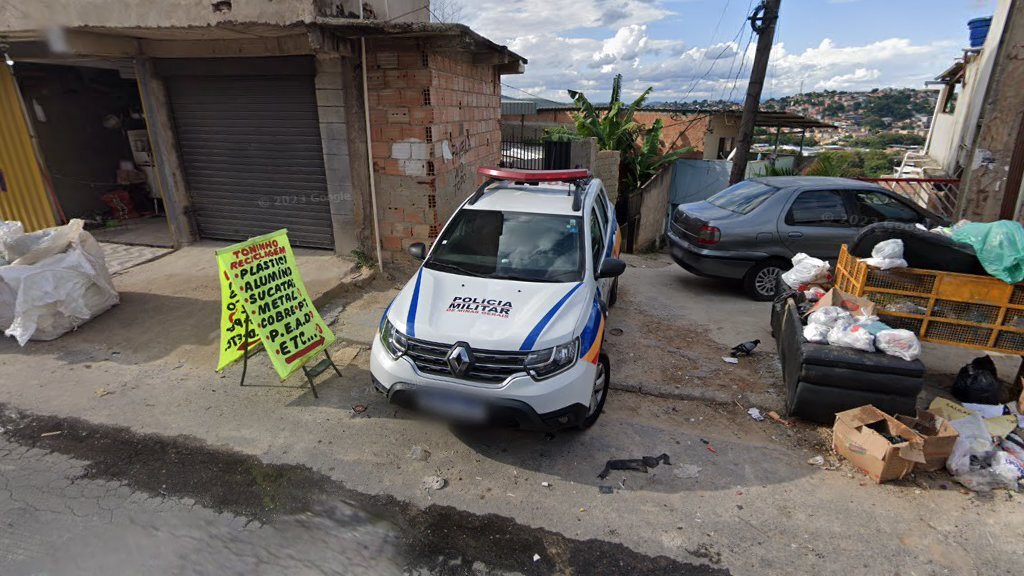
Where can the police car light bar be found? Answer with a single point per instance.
(534, 175)
(579, 177)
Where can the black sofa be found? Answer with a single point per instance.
(822, 380)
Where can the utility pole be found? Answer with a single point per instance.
(763, 22)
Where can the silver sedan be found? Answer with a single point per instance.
(751, 230)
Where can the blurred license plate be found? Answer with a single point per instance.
(452, 406)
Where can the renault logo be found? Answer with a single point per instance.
(460, 359)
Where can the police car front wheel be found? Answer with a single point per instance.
(599, 393)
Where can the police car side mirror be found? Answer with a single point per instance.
(418, 250)
(611, 267)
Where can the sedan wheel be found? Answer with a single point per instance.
(761, 280)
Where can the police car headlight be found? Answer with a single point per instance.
(394, 341)
(550, 361)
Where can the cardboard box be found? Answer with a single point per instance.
(859, 306)
(939, 437)
(856, 436)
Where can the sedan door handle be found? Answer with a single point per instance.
(795, 235)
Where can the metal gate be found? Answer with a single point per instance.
(249, 138)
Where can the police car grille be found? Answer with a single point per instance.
(489, 366)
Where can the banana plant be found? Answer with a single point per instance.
(615, 129)
(646, 161)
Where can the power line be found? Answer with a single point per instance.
(743, 62)
(714, 61)
(523, 91)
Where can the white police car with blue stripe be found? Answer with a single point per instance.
(504, 321)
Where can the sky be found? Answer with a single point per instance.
(697, 49)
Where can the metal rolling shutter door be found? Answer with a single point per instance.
(251, 150)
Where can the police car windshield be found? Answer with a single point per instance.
(511, 246)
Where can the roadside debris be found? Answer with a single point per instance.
(45, 434)
(101, 392)
(881, 446)
(744, 349)
(419, 453)
(546, 484)
(708, 445)
(359, 408)
(536, 557)
(755, 414)
(433, 483)
(775, 416)
(978, 382)
(634, 464)
(730, 360)
(816, 461)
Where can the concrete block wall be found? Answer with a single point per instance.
(433, 119)
(334, 138)
(607, 169)
(654, 211)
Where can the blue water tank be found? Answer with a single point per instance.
(979, 30)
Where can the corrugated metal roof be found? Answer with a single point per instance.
(518, 107)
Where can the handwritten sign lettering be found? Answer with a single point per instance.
(260, 281)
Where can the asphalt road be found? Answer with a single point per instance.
(141, 410)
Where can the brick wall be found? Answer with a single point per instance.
(434, 118)
(680, 130)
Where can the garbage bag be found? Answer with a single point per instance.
(806, 270)
(887, 254)
(817, 333)
(830, 316)
(851, 336)
(900, 343)
(999, 246)
(978, 382)
(975, 461)
(59, 283)
(8, 231)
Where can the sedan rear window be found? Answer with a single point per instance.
(743, 197)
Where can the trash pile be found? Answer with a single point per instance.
(51, 281)
(981, 445)
(840, 319)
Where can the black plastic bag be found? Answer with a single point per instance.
(977, 382)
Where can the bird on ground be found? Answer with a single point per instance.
(744, 349)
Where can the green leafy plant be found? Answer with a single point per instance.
(773, 170)
(615, 128)
(646, 161)
(559, 134)
(830, 164)
(363, 260)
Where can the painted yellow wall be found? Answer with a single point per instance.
(24, 197)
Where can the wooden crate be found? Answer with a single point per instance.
(966, 310)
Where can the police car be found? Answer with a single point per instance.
(504, 321)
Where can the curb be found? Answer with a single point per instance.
(759, 399)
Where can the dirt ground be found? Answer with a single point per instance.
(738, 496)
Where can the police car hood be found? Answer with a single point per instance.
(488, 314)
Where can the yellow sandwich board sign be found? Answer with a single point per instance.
(261, 290)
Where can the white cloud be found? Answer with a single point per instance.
(625, 46)
(845, 81)
(581, 44)
(503, 20)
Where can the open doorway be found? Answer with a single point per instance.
(91, 132)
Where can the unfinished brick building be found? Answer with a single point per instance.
(257, 116)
